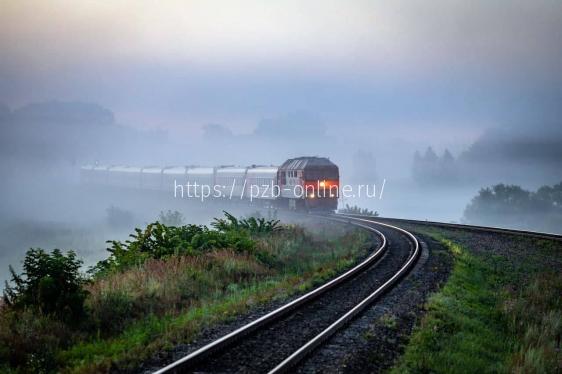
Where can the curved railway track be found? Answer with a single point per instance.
(280, 339)
(459, 226)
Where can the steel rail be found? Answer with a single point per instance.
(247, 329)
(312, 344)
(494, 229)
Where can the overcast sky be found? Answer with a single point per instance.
(425, 67)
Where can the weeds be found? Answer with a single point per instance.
(358, 210)
(252, 225)
(535, 314)
(163, 285)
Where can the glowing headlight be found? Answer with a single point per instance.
(311, 196)
(322, 184)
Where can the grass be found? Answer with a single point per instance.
(137, 310)
(493, 314)
(141, 340)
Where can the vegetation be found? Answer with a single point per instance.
(159, 289)
(171, 218)
(430, 169)
(485, 320)
(119, 218)
(510, 205)
(252, 225)
(50, 283)
(358, 210)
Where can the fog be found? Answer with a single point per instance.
(370, 85)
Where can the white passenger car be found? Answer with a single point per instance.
(172, 177)
(230, 180)
(124, 176)
(261, 183)
(199, 179)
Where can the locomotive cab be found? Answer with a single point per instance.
(309, 183)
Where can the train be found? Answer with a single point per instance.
(302, 183)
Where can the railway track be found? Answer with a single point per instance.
(279, 340)
(458, 226)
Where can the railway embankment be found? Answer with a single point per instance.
(499, 311)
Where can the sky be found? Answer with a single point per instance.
(147, 82)
(425, 68)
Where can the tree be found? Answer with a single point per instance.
(510, 205)
(50, 282)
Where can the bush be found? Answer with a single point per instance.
(30, 341)
(159, 241)
(357, 210)
(117, 217)
(50, 283)
(110, 311)
(170, 218)
(252, 224)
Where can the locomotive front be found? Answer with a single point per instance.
(309, 183)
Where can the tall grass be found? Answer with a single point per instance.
(535, 315)
(165, 296)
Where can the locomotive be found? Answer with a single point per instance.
(302, 183)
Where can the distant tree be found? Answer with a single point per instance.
(431, 169)
(430, 156)
(215, 131)
(417, 166)
(499, 200)
(171, 218)
(511, 205)
(447, 157)
(552, 195)
(117, 217)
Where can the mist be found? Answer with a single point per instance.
(433, 100)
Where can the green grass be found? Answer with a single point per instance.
(488, 317)
(135, 311)
(462, 330)
(143, 339)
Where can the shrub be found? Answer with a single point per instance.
(159, 241)
(358, 210)
(30, 341)
(118, 217)
(171, 218)
(110, 311)
(252, 224)
(50, 283)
